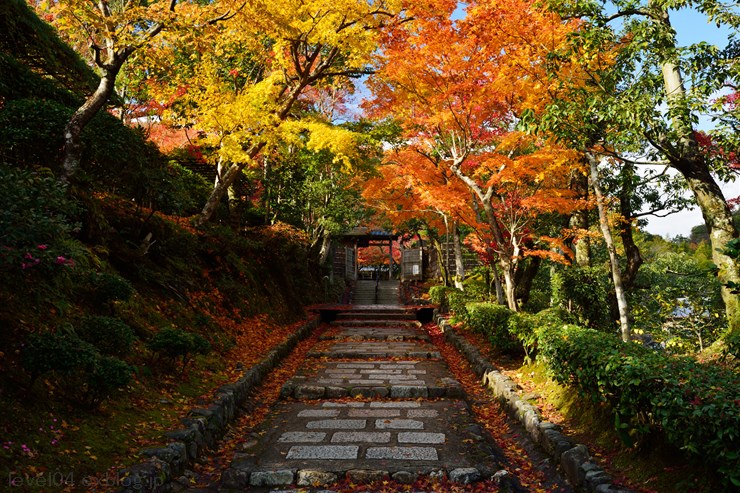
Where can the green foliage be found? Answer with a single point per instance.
(582, 291)
(123, 162)
(179, 191)
(456, 301)
(492, 320)
(18, 81)
(108, 288)
(84, 374)
(34, 216)
(52, 351)
(526, 327)
(438, 295)
(677, 301)
(175, 343)
(109, 335)
(31, 132)
(523, 326)
(106, 375)
(693, 405)
(35, 43)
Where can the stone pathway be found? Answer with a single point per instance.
(376, 401)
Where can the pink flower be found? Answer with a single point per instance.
(61, 260)
(42, 247)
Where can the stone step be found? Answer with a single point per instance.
(376, 334)
(376, 315)
(410, 324)
(395, 379)
(313, 444)
(377, 349)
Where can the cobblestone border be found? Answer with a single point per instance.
(203, 427)
(574, 459)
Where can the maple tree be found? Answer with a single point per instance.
(458, 88)
(413, 187)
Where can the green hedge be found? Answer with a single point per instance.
(439, 294)
(492, 320)
(695, 406)
(456, 301)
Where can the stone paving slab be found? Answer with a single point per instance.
(376, 349)
(375, 322)
(375, 315)
(408, 437)
(376, 333)
(396, 379)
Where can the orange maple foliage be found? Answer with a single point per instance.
(459, 87)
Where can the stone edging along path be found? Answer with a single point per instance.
(574, 459)
(203, 427)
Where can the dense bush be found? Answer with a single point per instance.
(695, 406)
(439, 295)
(84, 374)
(34, 216)
(456, 301)
(179, 191)
(175, 343)
(106, 375)
(523, 327)
(109, 335)
(51, 351)
(492, 320)
(32, 132)
(108, 288)
(582, 291)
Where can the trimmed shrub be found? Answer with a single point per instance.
(492, 320)
(526, 327)
(176, 343)
(108, 288)
(109, 335)
(582, 291)
(438, 296)
(85, 376)
(456, 301)
(694, 405)
(106, 375)
(52, 351)
(523, 327)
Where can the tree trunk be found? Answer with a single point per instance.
(459, 263)
(506, 260)
(579, 220)
(525, 277)
(631, 251)
(500, 296)
(437, 245)
(227, 180)
(721, 230)
(613, 261)
(325, 247)
(507, 252)
(230, 191)
(83, 115)
(690, 162)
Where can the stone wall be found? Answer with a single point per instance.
(574, 459)
(202, 428)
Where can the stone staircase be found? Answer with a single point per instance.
(378, 403)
